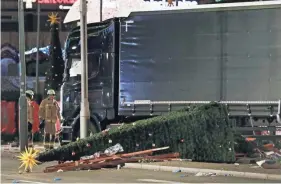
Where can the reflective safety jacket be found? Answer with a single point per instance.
(49, 110)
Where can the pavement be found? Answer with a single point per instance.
(10, 174)
(252, 168)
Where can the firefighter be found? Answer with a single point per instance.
(49, 113)
(170, 3)
(32, 115)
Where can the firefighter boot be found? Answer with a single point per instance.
(30, 142)
(52, 142)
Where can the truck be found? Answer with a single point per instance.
(149, 63)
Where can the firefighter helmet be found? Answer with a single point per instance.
(51, 92)
(30, 92)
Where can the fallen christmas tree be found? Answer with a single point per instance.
(203, 133)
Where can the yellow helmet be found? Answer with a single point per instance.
(51, 92)
(30, 92)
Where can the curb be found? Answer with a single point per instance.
(197, 170)
(17, 149)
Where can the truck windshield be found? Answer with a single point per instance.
(93, 65)
(98, 35)
(75, 67)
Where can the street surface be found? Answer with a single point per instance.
(9, 174)
(252, 168)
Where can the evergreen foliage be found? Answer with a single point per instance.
(204, 133)
(54, 74)
(242, 146)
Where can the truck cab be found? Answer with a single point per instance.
(101, 63)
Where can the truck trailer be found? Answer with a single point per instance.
(152, 62)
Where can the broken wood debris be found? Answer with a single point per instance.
(104, 158)
(113, 161)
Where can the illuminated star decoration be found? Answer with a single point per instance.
(27, 159)
(53, 18)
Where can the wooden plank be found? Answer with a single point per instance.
(86, 166)
(163, 156)
(144, 152)
(119, 160)
(107, 163)
(102, 165)
(107, 158)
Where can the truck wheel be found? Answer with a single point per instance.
(93, 128)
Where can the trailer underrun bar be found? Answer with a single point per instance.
(251, 109)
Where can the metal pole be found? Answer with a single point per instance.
(22, 100)
(84, 113)
(37, 54)
(100, 10)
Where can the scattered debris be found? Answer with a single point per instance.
(205, 174)
(255, 167)
(271, 157)
(184, 160)
(114, 149)
(185, 175)
(268, 146)
(211, 174)
(228, 175)
(269, 153)
(104, 161)
(271, 164)
(260, 162)
(57, 179)
(96, 155)
(250, 139)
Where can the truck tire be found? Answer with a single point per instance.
(94, 127)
